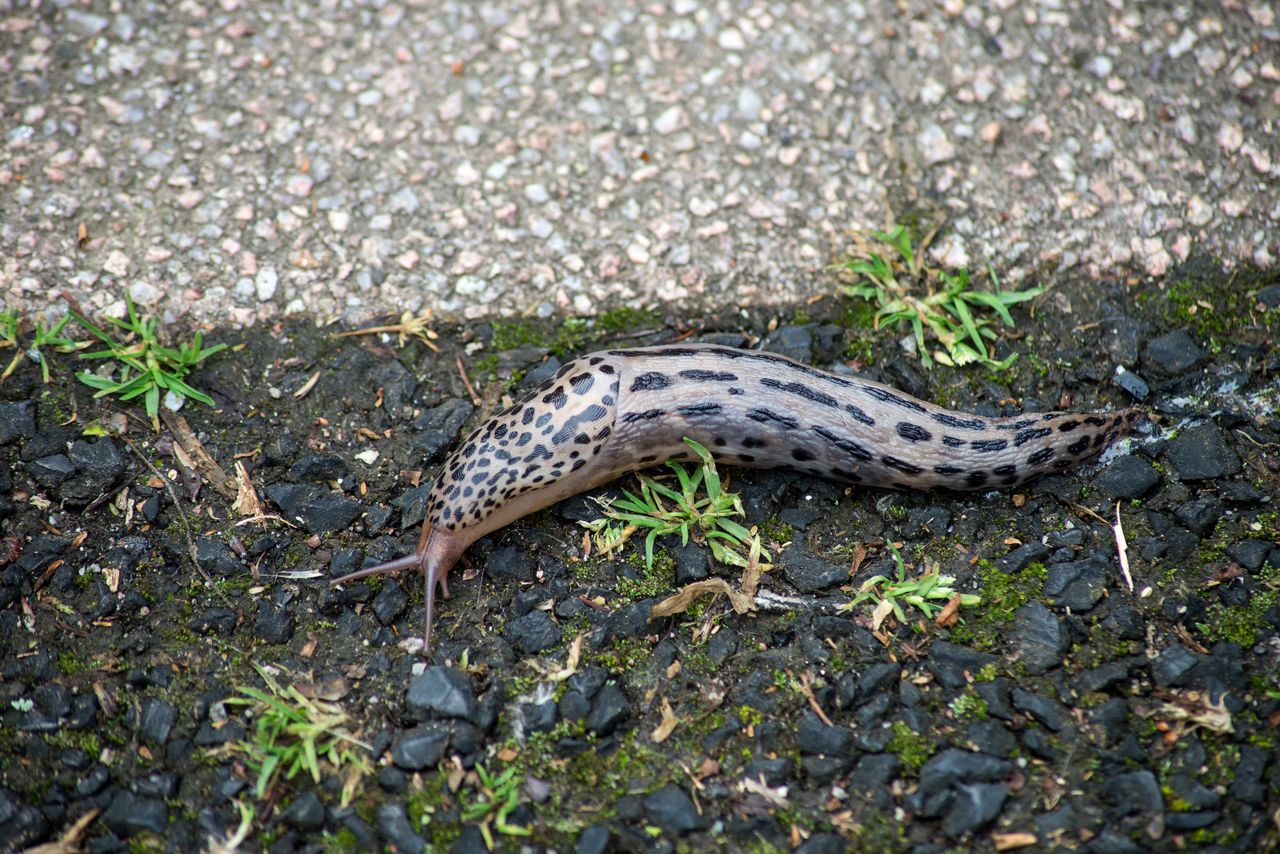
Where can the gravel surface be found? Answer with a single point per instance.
(1069, 711)
(237, 161)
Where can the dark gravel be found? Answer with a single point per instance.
(1066, 706)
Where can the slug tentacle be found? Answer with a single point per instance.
(608, 413)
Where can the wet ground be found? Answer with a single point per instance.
(1068, 711)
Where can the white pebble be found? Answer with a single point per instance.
(265, 283)
(731, 39)
(671, 120)
(117, 263)
(537, 194)
(934, 145)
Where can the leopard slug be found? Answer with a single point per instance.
(615, 411)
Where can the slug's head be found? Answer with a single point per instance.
(438, 550)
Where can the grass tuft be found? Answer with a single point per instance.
(295, 733)
(929, 593)
(708, 518)
(891, 273)
(146, 366)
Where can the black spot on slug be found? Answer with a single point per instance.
(1041, 456)
(556, 398)
(885, 396)
(948, 469)
(901, 465)
(953, 442)
(801, 390)
(1020, 424)
(1025, 436)
(913, 432)
(1005, 470)
(736, 390)
(746, 458)
(699, 409)
(1095, 420)
(1068, 426)
(859, 415)
(651, 381)
(527, 416)
(976, 478)
(767, 415)
(582, 383)
(702, 376)
(849, 446)
(1079, 446)
(959, 423)
(753, 442)
(647, 415)
(801, 455)
(989, 446)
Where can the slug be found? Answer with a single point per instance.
(615, 411)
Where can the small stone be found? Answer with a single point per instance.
(671, 120)
(1127, 477)
(129, 815)
(701, 207)
(395, 829)
(1049, 712)
(1174, 352)
(156, 720)
(1201, 453)
(265, 284)
(1170, 668)
(608, 711)
(1025, 554)
(305, 813)
(1039, 638)
(731, 39)
(816, 737)
(1078, 585)
(420, 748)
(1200, 515)
(537, 193)
(299, 185)
(808, 573)
(1135, 793)
(672, 810)
(1134, 385)
(465, 174)
(441, 691)
(934, 146)
(534, 632)
(749, 104)
(117, 263)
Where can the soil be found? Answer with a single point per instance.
(1067, 711)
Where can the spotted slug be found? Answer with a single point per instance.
(615, 411)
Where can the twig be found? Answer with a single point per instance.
(462, 371)
(1122, 549)
(186, 523)
(806, 686)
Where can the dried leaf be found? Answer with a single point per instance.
(880, 614)
(950, 613)
(69, 841)
(247, 502)
(196, 457)
(666, 726)
(776, 798)
(307, 386)
(1009, 841)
